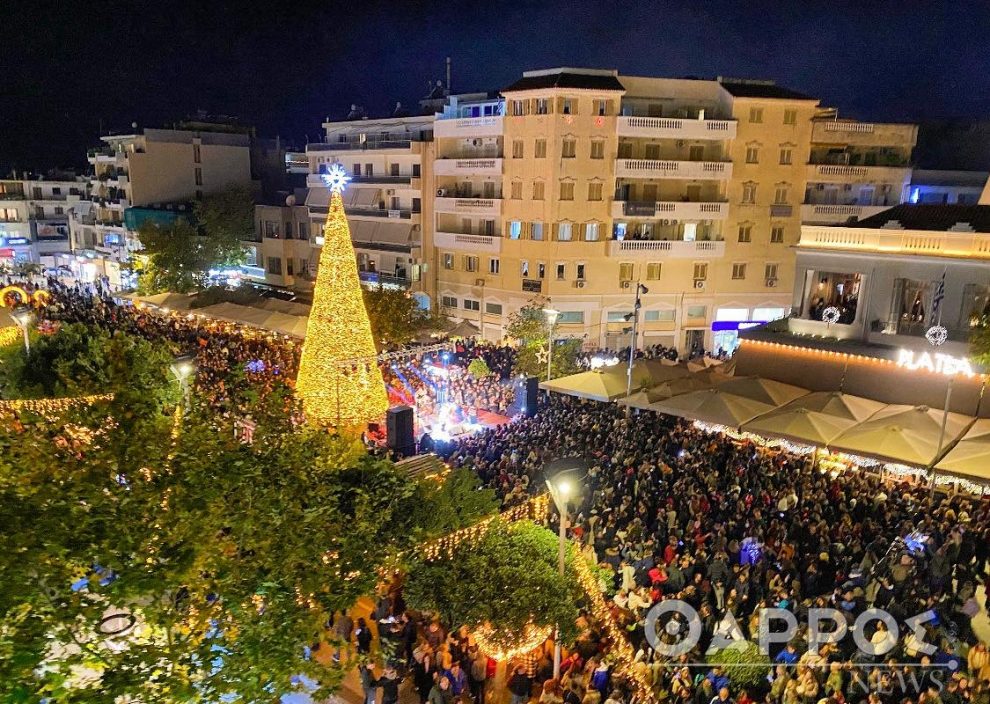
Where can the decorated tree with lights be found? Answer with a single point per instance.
(339, 381)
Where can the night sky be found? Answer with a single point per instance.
(68, 67)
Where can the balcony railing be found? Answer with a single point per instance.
(781, 210)
(378, 212)
(675, 210)
(386, 280)
(655, 168)
(359, 146)
(463, 167)
(842, 172)
(673, 249)
(831, 212)
(675, 128)
(486, 126)
(954, 244)
(316, 180)
(468, 206)
(468, 242)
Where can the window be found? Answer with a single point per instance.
(739, 270)
(568, 149)
(516, 190)
(653, 271)
(749, 192)
(199, 176)
(745, 233)
(567, 107)
(303, 230)
(518, 108)
(542, 106)
(598, 149)
(567, 190)
(493, 308)
(56, 190)
(560, 272)
(697, 311)
(571, 317)
(564, 231)
(541, 270)
(288, 267)
(601, 107)
(271, 229)
(524, 268)
(448, 301)
(471, 304)
(415, 171)
(786, 155)
(594, 191)
(536, 231)
(626, 271)
(580, 272)
(448, 261)
(393, 169)
(275, 265)
(59, 210)
(618, 316)
(770, 272)
(752, 155)
(776, 234)
(39, 211)
(790, 117)
(540, 150)
(700, 271)
(780, 195)
(355, 170)
(369, 170)
(493, 265)
(651, 151)
(517, 149)
(515, 229)
(658, 316)
(591, 231)
(537, 190)
(197, 157)
(756, 114)
(470, 263)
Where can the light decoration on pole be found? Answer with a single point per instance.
(502, 646)
(339, 381)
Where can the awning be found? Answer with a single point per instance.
(465, 328)
(815, 419)
(172, 301)
(903, 434)
(668, 389)
(970, 457)
(714, 406)
(605, 385)
(772, 393)
(366, 197)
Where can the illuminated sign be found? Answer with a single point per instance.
(18, 240)
(938, 363)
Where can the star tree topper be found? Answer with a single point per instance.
(336, 179)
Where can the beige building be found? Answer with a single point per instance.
(34, 217)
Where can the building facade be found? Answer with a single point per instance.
(34, 217)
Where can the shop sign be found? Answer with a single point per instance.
(938, 363)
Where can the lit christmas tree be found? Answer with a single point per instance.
(339, 381)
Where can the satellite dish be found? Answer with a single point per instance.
(290, 200)
(134, 125)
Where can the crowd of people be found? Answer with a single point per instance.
(729, 528)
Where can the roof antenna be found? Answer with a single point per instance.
(448, 75)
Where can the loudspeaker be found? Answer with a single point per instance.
(399, 427)
(526, 395)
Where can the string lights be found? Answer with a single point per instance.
(339, 381)
(534, 509)
(503, 646)
(9, 335)
(52, 406)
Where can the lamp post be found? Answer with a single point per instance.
(640, 289)
(183, 366)
(22, 316)
(551, 316)
(563, 481)
(481, 316)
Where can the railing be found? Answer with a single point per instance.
(378, 212)
(780, 210)
(670, 209)
(456, 167)
(834, 126)
(670, 248)
(485, 126)
(675, 128)
(955, 244)
(478, 206)
(470, 242)
(878, 171)
(833, 212)
(376, 277)
(653, 168)
(359, 146)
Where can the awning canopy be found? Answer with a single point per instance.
(903, 434)
(970, 458)
(172, 301)
(668, 389)
(714, 406)
(815, 419)
(603, 385)
(772, 393)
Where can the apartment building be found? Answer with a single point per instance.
(34, 217)
(947, 187)
(283, 252)
(148, 170)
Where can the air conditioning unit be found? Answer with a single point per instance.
(665, 222)
(625, 284)
(579, 284)
(673, 222)
(441, 192)
(699, 284)
(771, 283)
(390, 192)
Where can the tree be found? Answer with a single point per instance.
(226, 218)
(442, 507)
(743, 664)
(177, 257)
(478, 368)
(529, 327)
(519, 582)
(979, 341)
(396, 317)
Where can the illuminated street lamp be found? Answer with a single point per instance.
(183, 367)
(563, 478)
(551, 316)
(22, 316)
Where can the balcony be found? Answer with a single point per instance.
(373, 212)
(667, 128)
(316, 180)
(667, 249)
(670, 209)
(972, 245)
(375, 278)
(834, 213)
(359, 146)
(840, 173)
(653, 168)
(468, 243)
(467, 167)
(488, 126)
(468, 206)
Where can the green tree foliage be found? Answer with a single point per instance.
(226, 218)
(507, 577)
(743, 663)
(529, 327)
(441, 507)
(478, 368)
(979, 341)
(396, 317)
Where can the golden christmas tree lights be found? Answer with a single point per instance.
(339, 381)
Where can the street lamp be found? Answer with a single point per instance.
(183, 366)
(551, 316)
(563, 479)
(22, 316)
(640, 289)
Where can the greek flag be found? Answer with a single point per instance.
(937, 299)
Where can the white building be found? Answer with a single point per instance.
(34, 217)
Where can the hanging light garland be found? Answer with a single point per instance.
(9, 335)
(503, 646)
(52, 406)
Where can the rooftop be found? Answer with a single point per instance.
(761, 89)
(938, 218)
(580, 78)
